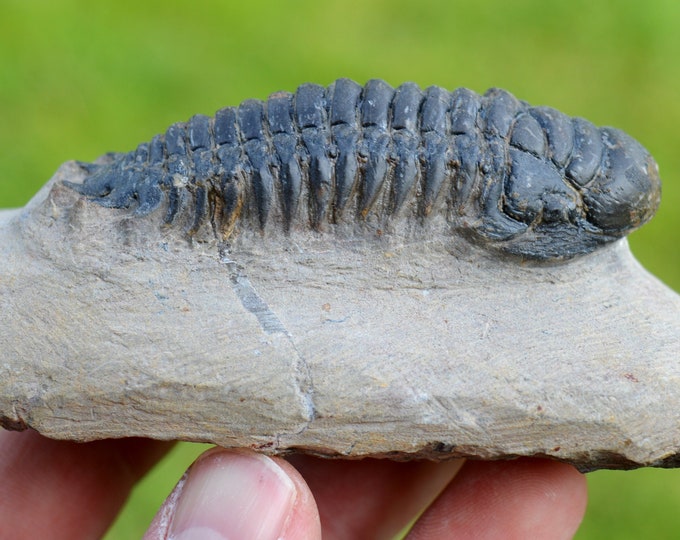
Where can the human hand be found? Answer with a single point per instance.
(56, 489)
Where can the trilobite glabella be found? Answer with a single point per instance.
(525, 180)
(356, 283)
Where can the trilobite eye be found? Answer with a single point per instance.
(535, 189)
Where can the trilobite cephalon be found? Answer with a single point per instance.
(529, 181)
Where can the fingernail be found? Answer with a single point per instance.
(232, 495)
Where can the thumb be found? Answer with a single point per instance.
(237, 494)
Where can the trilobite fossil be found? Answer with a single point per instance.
(528, 181)
(335, 272)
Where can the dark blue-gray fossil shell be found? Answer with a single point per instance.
(528, 181)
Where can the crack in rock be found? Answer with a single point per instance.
(271, 324)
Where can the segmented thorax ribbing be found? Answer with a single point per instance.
(525, 180)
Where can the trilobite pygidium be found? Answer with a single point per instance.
(526, 180)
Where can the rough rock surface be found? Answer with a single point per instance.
(335, 346)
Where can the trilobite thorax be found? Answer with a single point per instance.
(524, 180)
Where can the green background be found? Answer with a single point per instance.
(79, 78)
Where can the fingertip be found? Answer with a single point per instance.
(238, 494)
(524, 498)
(304, 521)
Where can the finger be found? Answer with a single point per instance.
(59, 489)
(526, 498)
(238, 494)
(371, 498)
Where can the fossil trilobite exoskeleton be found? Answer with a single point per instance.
(525, 180)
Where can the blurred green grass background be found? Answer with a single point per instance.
(79, 78)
